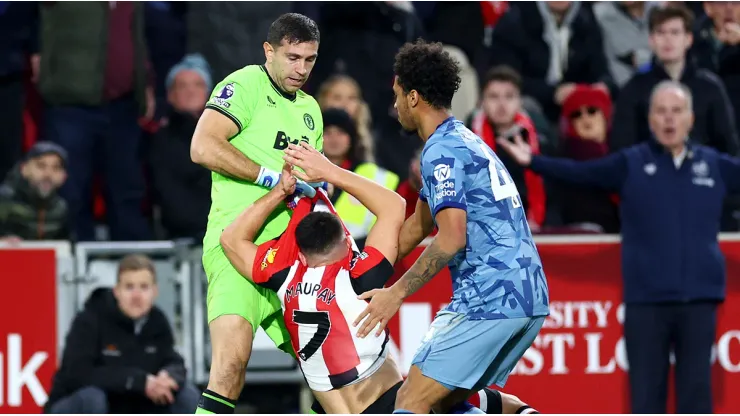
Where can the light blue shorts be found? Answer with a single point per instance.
(471, 354)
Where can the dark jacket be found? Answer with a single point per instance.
(518, 42)
(102, 350)
(670, 217)
(724, 60)
(18, 36)
(714, 125)
(74, 39)
(182, 188)
(25, 214)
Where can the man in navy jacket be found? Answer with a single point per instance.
(671, 194)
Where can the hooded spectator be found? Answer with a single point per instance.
(586, 119)
(553, 45)
(624, 26)
(501, 115)
(30, 205)
(182, 189)
(119, 354)
(670, 39)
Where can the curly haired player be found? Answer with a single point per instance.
(500, 294)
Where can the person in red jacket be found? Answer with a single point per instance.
(501, 115)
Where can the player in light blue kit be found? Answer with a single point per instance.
(500, 295)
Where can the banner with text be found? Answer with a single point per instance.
(28, 338)
(578, 362)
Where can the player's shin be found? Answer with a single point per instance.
(213, 403)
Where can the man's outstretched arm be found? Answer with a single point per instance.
(238, 238)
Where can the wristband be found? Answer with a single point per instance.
(267, 178)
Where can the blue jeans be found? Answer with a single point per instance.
(88, 400)
(106, 139)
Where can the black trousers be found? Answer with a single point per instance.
(651, 331)
(11, 122)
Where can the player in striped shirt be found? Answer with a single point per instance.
(317, 272)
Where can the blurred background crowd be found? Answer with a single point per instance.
(114, 91)
(99, 101)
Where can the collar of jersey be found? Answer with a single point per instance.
(277, 89)
(438, 132)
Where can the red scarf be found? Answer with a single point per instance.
(535, 187)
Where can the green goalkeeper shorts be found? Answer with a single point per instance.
(230, 293)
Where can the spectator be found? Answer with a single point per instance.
(587, 117)
(342, 91)
(360, 39)
(18, 31)
(230, 34)
(30, 207)
(409, 189)
(166, 32)
(553, 45)
(671, 191)
(501, 116)
(93, 76)
(343, 146)
(717, 46)
(182, 188)
(670, 39)
(624, 26)
(119, 355)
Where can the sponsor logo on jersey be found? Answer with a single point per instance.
(270, 102)
(282, 140)
(309, 121)
(442, 172)
(445, 189)
(323, 294)
(269, 258)
(226, 92)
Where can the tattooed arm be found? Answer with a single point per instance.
(384, 303)
(450, 239)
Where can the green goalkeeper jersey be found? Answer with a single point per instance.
(268, 120)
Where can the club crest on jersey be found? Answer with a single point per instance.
(309, 121)
(323, 294)
(269, 258)
(224, 95)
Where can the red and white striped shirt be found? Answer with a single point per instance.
(320, 304)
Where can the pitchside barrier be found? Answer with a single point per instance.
(577, 364)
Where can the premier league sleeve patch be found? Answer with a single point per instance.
(222, 98)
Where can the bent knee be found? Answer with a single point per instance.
(93, 400)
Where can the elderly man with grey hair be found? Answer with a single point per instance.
(671, 192)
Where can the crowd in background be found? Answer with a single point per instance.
(99, 101)
(115, 89)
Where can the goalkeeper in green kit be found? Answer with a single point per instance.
(248, 122)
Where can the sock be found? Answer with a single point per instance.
(526, 410)
(490, 401)
(214, 403)
(465, 408)
(402, 412)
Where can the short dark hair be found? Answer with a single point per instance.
(428, 69)
(503, 73)
(136, 262)
(318, 233)
(293, 28)
(660, 15)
